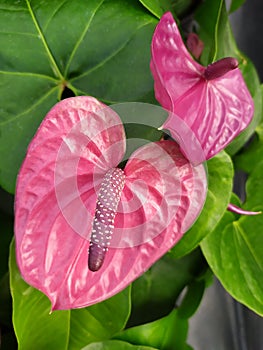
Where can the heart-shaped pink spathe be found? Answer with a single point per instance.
(77, 143)
(216, 109)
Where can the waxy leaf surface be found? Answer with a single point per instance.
(234, 249)
(77, 143)
(215, 111)
(169, 332)
(48, 46)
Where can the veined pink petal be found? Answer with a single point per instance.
(78, 141)
(215, 110)
(162, 196)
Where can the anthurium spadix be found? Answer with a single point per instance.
(213, 102)
(84, 227)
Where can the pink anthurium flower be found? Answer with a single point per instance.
(213, 102)
(85, 228)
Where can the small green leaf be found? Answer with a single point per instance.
(167, 333)
(116, 345)
(234, 249)
(220, 175)
(36, 328)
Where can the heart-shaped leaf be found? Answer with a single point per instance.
(78, 142)
(35, 327)
(234, 249)
(212, 103)
(49, 46)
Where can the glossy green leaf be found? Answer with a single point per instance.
(157, 290)
(216, 33)
(220, 175)
(36, 328)
(116, 345)
(50, 45)
(167, 333)
(234, 249)
(100, 321)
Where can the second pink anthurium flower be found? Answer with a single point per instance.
(84, 227)
(212, 103)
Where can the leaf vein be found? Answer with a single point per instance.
(114, 54)
(44, 42)
(38, 102)
(81, 37)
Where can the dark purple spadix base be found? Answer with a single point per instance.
(219, 68)
(105, 212)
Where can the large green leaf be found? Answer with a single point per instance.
(216, 32)
(36, 328)
(99, 48)
(157, 290)
(116, 345)
(234, 249)
(167, 333)
(220, 175)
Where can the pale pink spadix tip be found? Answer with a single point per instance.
(219, 68)
(237, 210)
(105, 212)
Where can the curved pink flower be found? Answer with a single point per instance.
(212, 102)
(85, 228)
